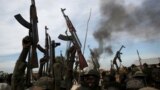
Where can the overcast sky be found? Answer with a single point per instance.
(132, 23)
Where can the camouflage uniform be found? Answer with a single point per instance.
(137, 82)
(46, 83)
(20, 66)
(69, 69)
(109, 83)
(57, 75)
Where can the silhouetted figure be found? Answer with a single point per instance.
(20, 66)
(147, 71)
(69, 70)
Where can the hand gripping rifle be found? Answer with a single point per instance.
(33, 33)
(117, 56)
(75, 40)
(94, 59)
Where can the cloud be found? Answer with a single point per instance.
(142, 21)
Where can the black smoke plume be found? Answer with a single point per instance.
(141, 22)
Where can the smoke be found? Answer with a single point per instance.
(141, 22)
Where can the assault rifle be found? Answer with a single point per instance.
(117, 56)
(47, 44)
(33, 33)
(45, 51)
(75, 40)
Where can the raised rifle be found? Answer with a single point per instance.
(75, 41)
(94, 59)
(50, 56)
(47, 49)
(141, 67)
(117, 56)
(33, 33)
(54, 45)
(47, 52)
(46, 42)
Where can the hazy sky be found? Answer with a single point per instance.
(132, 23)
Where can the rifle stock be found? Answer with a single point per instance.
(82, 61)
